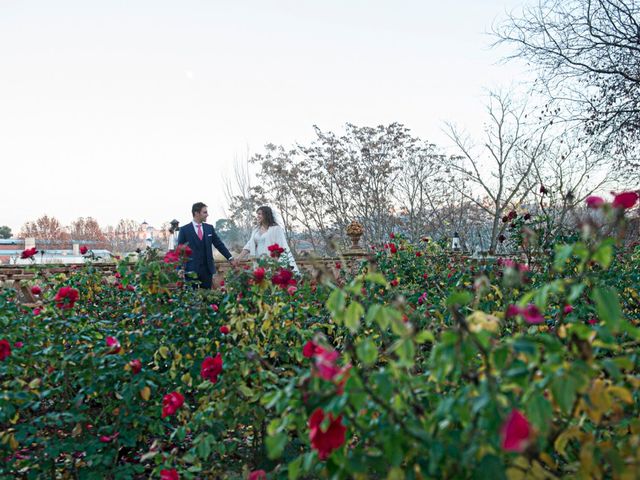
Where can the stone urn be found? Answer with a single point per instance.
(355, 231)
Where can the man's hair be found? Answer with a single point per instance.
(197, 207)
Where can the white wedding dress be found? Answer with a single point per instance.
(258, 244)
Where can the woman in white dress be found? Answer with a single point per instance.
(266, 234)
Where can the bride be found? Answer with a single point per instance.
(267, 232)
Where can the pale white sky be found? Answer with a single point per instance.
(136, 109)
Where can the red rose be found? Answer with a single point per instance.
(394, 282)
(393, 248)
(418, 254)
(66, 298)
(309, 349)
(594, 201)
(283, 278)
(109, 438)
(113, 344)
(36, 311)
(136, 366)
(532, 314)
(5, 349)
(214, 307)
(184, 250)
(258, 274)
(257, 475)
(36, 290)
(512, 311)
(170, 257)
(167, 474)
(328, 440)
(326, 363)
(516, 432)
(625, 200)
(171, 402)
(83, 249)
(567, 309)
(211, 367)
(18, 344)
(224, 329)
(28, 253)
(275, 250)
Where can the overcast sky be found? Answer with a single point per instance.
(136, 109)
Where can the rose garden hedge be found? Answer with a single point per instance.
(416, 365)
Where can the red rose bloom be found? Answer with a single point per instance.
(309, 349)
(184, 250)
(516, 432)
(36, 290)
(136, 366)
(328, 440)
(113, 344)
(326, 363)
(258, 274)
(257, 475)
(567, 309)
(512, 311)
(625, 200)
(66, 298)
(275, 250)
(28, 253)
(171, 474)
(594, 201)
(171, 402)
(83, 249)
(171, 257)
(109, 438)
(211, 367)
(393, 248)
(5, 349)
(394, 282)
(532, 314)
(224, 329)
(283, 278)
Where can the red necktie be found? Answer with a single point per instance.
(199, 231)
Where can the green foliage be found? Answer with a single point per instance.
(418, 356)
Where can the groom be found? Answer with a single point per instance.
(200, 237)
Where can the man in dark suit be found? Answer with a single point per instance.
(200, 236)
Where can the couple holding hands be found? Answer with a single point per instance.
(201, 237)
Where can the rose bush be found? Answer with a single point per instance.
(419, 365)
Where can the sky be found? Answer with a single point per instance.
(137, 109)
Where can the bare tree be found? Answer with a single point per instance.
(47, 230)
(500, 171)
(241, 195)
(126, 236)
(588, 55)
(88, 231)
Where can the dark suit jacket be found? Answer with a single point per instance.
(202, 254)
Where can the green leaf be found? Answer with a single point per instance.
(336, 301)
(424, 336)
(294, 468)
(564, 392)
(372, 314)
(352, 316)
(563, 252)
(275, 445)
(539, 411)
(406, 351)
(490, 467)
(608, 306)
(459, 298)
(376, 277)
(367, 352)
(604, 253)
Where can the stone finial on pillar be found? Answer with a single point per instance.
(355, 231)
